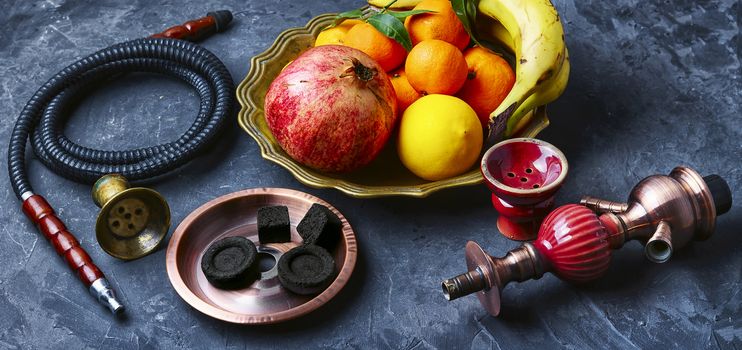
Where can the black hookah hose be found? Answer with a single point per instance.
(42, 118)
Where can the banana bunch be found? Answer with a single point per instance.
(531, 29)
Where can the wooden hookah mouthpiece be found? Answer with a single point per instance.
(66, 245)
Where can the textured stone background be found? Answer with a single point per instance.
(655, 84)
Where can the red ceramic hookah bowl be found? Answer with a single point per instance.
(523, 175)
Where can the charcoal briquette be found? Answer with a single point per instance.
(306, 269)
(229, 263)
(320, 226)
(274, 225)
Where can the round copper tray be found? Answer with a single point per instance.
(265, 301)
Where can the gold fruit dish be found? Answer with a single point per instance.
(385, 176)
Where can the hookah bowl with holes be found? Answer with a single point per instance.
(523, 174)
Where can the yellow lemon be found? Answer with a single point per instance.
(334, 35)
(439, 137)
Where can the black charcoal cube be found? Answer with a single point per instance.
(274, 225)
(320, 226)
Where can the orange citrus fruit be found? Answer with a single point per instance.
(406, 94)
(335, 35)
(384, 50)
(441, 25)
(436, 67)
(489, 81)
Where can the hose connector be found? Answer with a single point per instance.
(197, 29)
(659, 247)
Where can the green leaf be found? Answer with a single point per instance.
(354, 14)
(357, 13)
(466, 11)
(401, 15)
(391, 27)
(459, 7)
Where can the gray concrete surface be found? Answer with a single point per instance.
(655, 84)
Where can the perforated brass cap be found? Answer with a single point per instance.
(132, 222)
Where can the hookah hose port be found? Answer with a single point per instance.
(41, 122)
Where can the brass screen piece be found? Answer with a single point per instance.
(132, 222)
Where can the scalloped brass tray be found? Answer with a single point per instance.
(385, 176)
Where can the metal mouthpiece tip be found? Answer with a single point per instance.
(102, 291)
(115, 307)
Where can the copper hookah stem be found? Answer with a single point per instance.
(520, 264)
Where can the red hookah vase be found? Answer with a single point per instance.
(575, 243)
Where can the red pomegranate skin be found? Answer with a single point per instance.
(325, 115)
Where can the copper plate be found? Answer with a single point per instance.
(385, 176)
(235, 214)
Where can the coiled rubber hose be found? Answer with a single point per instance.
(43, 117)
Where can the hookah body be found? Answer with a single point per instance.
(574, 243)
(666, 212)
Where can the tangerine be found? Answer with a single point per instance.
(442, 24)
(489, 81)
(335, 35)
(406, 94)
(436, 67)
(384, 50)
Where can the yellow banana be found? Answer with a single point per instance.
(400, 4)
(532, 123)
(544, 94)
(493, 31)
(542, 66)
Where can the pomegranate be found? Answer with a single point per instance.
(332, 109)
